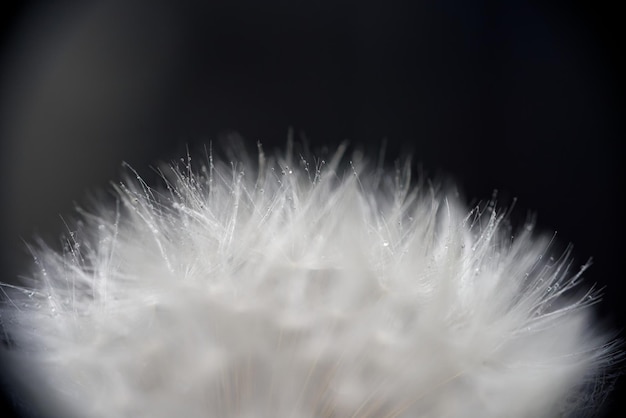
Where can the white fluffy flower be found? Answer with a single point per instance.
(295, 288)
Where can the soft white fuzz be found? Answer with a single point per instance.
(298, 287)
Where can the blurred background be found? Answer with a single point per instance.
(523, 97)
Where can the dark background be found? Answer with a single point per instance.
(524, 97)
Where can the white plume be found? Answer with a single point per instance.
(296, 288)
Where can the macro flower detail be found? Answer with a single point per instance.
(298, 287)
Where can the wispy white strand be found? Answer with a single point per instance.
(295, 288)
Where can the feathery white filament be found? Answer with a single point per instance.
(294, 289)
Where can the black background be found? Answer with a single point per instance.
(523, 97)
